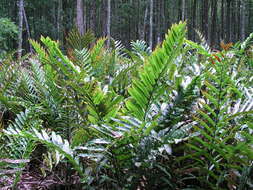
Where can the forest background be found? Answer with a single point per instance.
(124, 112)
(128, 20)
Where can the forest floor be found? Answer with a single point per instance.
(31, 180)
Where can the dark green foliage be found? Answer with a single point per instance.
(177, 118)
(8, 32)
(76, 41)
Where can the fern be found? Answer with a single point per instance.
(84, 60)
(203, 41)
(147, 88)
(18, 150)
(140, 48)
(216, 128)
(53, 141)
(119, 48)
(181, 108)
(76, 41)
(185, 122)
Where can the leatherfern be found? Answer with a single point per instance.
(77, 41)
(179, 117)
(148, 86)
(216, 149)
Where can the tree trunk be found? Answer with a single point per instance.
(144, 23)
(228, 24)
(243, 19)
(183, 10)
(93, 16)
(27, 28)
(194, 11)
(205, 18)
(59, 20)
(108, 24)
(84, 16)
(151, 24)
(233, 20)
(138, 20)
(222, 18)
(214, 17)
(79, 16)
(20, 27)
(238, 31)
(160, 15)
(104, 18)
(163, 26)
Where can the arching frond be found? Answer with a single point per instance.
(77, 41)
(148, 87)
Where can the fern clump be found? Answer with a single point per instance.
(179, 117)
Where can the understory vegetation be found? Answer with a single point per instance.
(94, 116)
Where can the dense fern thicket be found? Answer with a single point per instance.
(180, 117)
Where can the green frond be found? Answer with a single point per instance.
(119, 48)
(57, 59)
(52, 141)
(77, 41)
(181, 105)
(42, 53)
(145, 88)
(96, 50)
(203, 41)
(247, 42)
(140, 48)
(84, 61)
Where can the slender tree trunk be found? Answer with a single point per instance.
(214, 17)
(243, 19)
(59, 20)
(144, 23)
(93, 16)
(233, 20)
(222, 18)
(163, 24)
(84, 16)
(151, 24)
(79, 16)
(194, 11)
(20, 27)
(249, 18)
(138, 20)
(228, 25)
(108, 25)
(104, 18)
(54, 15)
(183, 10)
(205, 18)
(27, 28)
(160, 21)
(167, 18)
(238, 31)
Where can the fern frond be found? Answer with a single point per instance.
(144, 90)
(77, 41)
(84, 60)
(57, 59)
(181, 105)
(96, 50)
(43, 56)
(140, 48)
(119, 48)
(247, 42)
(52, 141)
(203, 41)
